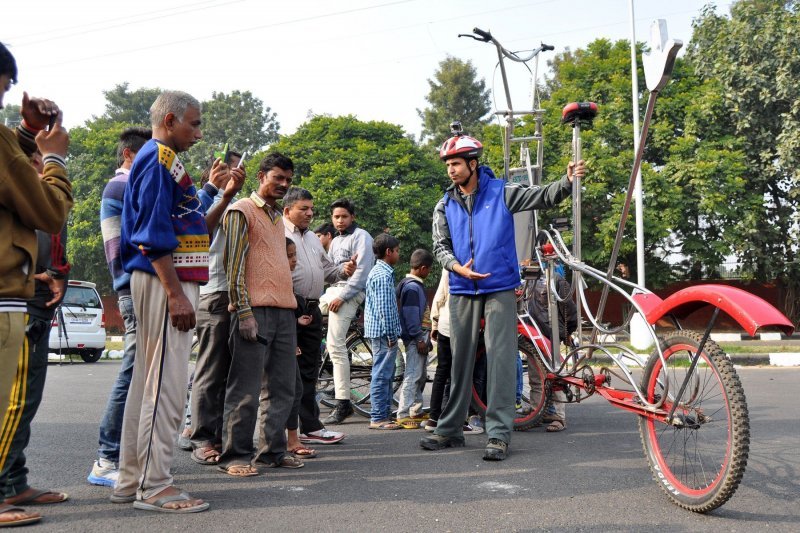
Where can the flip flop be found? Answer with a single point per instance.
(158, 505)
(301, 452)
(34, 497)
(384, 426)
(238, 470)
(556, 426)
(28, 518)
(408, 423)
(207, 455)
(287, 461)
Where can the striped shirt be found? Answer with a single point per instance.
(381, 318)
(110, 215)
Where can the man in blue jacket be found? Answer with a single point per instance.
(473, 237)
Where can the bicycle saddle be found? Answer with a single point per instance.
(582, 111)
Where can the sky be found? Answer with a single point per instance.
(368, 58)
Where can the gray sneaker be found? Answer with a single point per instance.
(438, 442)
(496, 450)
(104, 473)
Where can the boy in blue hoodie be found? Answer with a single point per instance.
(412, 302)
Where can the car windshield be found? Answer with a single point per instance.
(81, 296)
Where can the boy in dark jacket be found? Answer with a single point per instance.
(412, 303)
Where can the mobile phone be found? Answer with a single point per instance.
(224, 155)
(52, 122)
(241, 159)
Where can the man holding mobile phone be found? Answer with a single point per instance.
(27, 203)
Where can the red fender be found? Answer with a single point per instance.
(542, 342)
(750, 311)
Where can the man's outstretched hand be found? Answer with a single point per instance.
(465, 271)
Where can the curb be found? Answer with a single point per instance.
(782, 359)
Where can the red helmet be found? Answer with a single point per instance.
(461, 146)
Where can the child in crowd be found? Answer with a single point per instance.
(412, 303)
(293, 444)
(382, 328)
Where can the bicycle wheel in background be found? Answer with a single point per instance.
(325, 389)
(360, 355)
(535, 396)
(699, 461)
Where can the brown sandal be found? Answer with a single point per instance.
(239, 470)
(556, 426)
(33, 496)
(22, 516)
(207, 455)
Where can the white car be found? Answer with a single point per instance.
(79, 326)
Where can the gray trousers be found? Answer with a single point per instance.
(500, 335)
(211, 371)
(259, 374)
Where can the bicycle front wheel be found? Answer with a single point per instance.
(700, 458)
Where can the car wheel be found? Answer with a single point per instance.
(92, 356)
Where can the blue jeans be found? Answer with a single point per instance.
(414, 379)
(519, 379)
(380, 387)
(111, 425)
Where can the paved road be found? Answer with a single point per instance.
(591, 477)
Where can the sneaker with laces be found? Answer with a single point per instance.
(475, 421)
(322, 436)
(439, 442)
(472, 430)
(496, 450)
(104, 473)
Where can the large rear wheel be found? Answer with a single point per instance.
(700, 458)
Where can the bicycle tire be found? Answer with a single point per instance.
(325, 390)
(536, 395)
(698, 465)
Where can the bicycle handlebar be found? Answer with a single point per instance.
(485, 35)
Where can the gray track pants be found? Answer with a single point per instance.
(499, 310)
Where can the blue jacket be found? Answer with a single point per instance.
(484, 230)
(486, 234)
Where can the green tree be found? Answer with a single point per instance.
(753, 57)
(130, 107)
(455, 93)
(393, 182)
(239, 119)
(91, 162)
(9, 115)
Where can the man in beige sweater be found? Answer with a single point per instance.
(263, 334)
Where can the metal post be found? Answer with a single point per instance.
(576, 219)
(638, 188)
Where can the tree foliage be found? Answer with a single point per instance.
(130, 107)
(753, 56)
(9, 115)
(393, 182)
(239, 119)
(455, 93)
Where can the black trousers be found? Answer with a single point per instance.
(309, 340)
